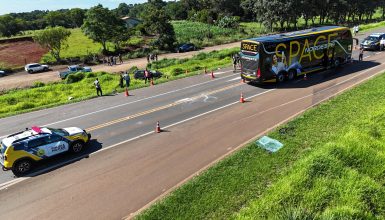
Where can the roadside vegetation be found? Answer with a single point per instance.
(331, 167)
(80, 86)
(165, 25)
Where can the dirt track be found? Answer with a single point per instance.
(23, 79)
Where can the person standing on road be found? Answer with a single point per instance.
(361, 55)
(146, 76)
(234, 63)
(148, 58)
(126, 77)
(98, 88)
(120, 58)
(121, 76)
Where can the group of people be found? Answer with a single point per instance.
(152, 57)
(124, 76)
(113, 60)
(236, 60)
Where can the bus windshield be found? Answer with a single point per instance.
(249, 63)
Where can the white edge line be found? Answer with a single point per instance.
(18, 180)
(128, 103)
(15, 181)
(165, 193)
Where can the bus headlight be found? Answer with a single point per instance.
(254, 73)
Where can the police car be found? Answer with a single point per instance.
(19, 151)
(372, 42)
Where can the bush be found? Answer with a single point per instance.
(76, 77)
(38, 84)
(90, 75)
(228, 22)
(176, 71)
(132, 69)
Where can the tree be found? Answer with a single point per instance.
(57, 18)
(122, 10)
(54, 39)
(158, 23)
(102, 25)
(10, 26)
(77, 16)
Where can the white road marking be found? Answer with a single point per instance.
(131, 215)
(20, 179)
(366, 57)
(238, 78)
(124, 104)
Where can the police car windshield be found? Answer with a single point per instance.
(372, 38)
(59, 131)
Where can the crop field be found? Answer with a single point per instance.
(17, 53)
(331, 167)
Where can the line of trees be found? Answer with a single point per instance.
(104, 25)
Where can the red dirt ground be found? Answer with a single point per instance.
(14, 54)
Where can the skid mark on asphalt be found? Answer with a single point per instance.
(206, 97)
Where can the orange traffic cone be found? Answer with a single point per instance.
(304, 77)
(152, 82)
(243, 80)
(157, 129)
(212, 74)
(242, 100)
(126, 93)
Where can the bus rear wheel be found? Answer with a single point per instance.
(291, 75)
(280, 77)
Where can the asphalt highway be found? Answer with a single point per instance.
(127, 165)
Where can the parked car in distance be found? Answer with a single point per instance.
(74, 69)
(139, 74)
(186, 47)
(35, 67)
(372, 42)
(2, 73)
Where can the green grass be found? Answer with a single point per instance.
(53, 94)
(203, 34)
(210, 61)
(79, 45)
(331, 167)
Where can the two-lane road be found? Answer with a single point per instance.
(129, 165)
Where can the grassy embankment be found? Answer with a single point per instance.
(331, 167)
(54, 94)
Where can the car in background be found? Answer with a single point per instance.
(139, 74)
(372, 42)
(2, 73)
(19, 151)
(74, 69)
(35, 67)
(186, 47)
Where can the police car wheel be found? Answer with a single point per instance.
(77, 146)
(22, 167)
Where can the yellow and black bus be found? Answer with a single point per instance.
(284, 56)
